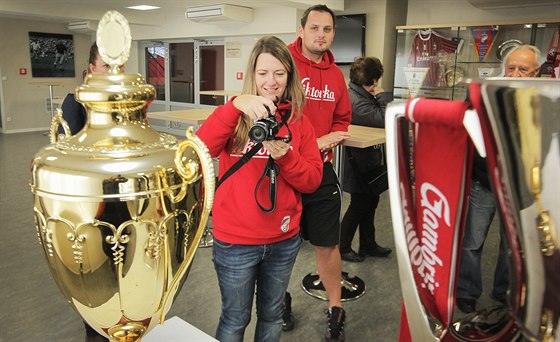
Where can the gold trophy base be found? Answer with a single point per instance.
(130, 332)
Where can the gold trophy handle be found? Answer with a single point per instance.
(56, 122)
(189, 169)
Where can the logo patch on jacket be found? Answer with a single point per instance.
(285, 224)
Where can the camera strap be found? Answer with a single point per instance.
(271, 170)
(244, 159)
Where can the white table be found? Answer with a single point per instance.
(193, 117)
(177, 330)
(225, 93)
(51, 92)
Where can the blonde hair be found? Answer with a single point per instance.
(294, 90)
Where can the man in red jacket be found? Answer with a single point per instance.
(328, 108)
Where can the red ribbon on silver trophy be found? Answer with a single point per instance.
(434, 220)
(484, 37)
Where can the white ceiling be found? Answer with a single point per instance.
(502, 4)
(76, 10)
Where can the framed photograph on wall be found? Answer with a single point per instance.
(52, 54)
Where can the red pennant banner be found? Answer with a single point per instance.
(484, 37)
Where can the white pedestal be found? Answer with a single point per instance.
(177, 330)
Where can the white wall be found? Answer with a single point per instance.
(23, 103)
(433, 12)
(270, 20)
(234, 65)
(381, 18)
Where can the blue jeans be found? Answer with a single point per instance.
(482, 207)
(239, 269)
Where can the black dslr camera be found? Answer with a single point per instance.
(264, 129)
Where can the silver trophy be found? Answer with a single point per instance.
(515, 123)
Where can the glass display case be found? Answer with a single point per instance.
(431, 61)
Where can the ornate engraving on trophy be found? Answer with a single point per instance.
(120, 208)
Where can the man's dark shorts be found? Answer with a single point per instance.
(320, 220)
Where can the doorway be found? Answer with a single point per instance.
(180, 70)
(211, 66)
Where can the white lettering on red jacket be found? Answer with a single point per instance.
(312, 93)
(423, 253)
(261, 153)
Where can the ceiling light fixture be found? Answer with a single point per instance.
(143, 7)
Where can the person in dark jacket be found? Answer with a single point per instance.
(74, 112)
(369, 102)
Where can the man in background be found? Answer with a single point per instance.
(521, 61)
(328, 108)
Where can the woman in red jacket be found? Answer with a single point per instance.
(256, 216)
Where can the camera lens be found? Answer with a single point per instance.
(257, 133)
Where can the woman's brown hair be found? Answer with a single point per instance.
(294, 90)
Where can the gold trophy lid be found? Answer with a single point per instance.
(113, 42)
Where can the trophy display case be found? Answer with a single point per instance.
(431, 60)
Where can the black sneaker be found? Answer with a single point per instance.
(287, 317)
(335, 324)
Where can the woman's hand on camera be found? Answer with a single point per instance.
(276, 148)
(254, 106)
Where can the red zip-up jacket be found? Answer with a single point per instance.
(236, 216)
(327, 103)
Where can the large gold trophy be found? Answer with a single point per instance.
(119, 207)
